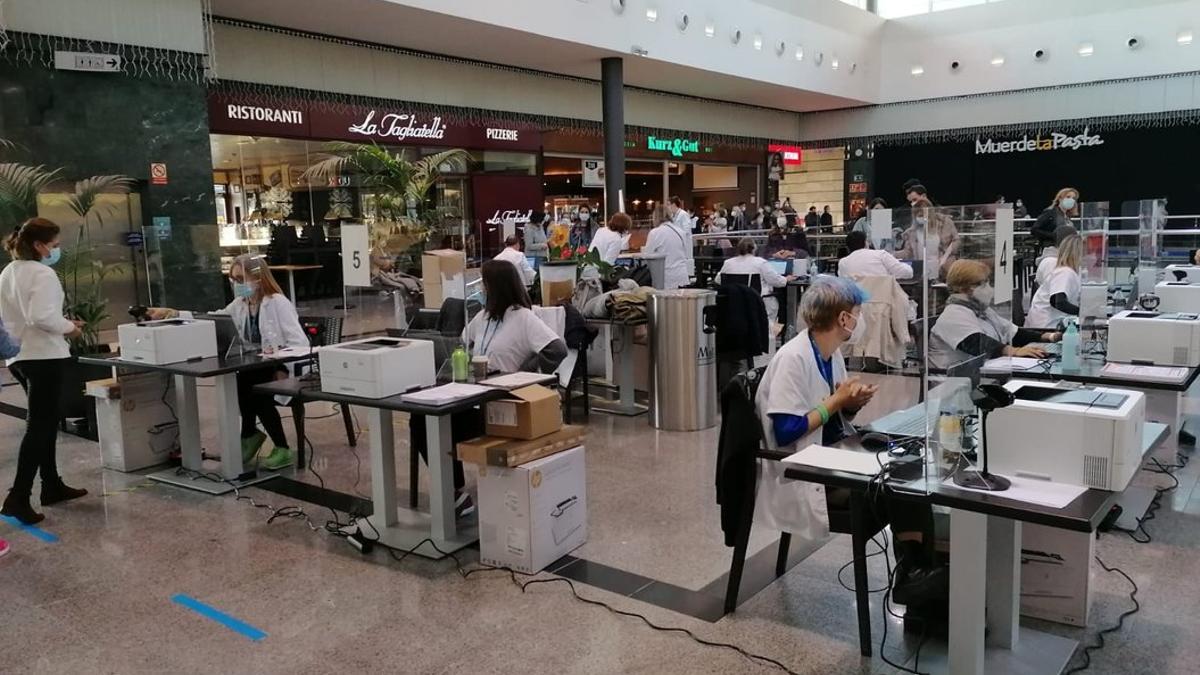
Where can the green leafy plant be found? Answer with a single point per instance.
(398, 188)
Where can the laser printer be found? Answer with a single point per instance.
(1188, 273)
(167, 341)
(1087, 436)
(1177, 296)
(377, 367)
(1158, 338)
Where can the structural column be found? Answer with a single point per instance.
(612, 90)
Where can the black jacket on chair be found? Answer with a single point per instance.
(737, 450)
(741, 321)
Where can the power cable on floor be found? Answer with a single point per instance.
(1087, 651)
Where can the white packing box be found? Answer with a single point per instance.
(1056, 574)
(377, 367)
(136, 428)
(167, 341)
(533, 514)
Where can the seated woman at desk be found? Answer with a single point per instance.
(745, 262)
(264, 316)
(806, 398)
(513, 339)
(969, 331)
(1058, 298)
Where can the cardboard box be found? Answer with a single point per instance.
(533, 514)
(1056, 573)
(136, 428)
(442, 276)
(507, 452)
(526, 413)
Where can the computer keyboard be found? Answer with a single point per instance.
(909, 422)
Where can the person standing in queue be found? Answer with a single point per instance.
(1058, 298)
(613, 238)
(673, 244)
(806, 397)
(1060, 212)
(31, 305)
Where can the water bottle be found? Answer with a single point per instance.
(1070, 348)
(460, 363)
(812, 269)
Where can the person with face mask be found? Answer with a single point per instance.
(932, 237)
(31, 302)
(806, 397)
(969, 331)
(535, 236)
(863, 224)
(1060, 212)
(812, 220)
(582, 230)
(1058, 298)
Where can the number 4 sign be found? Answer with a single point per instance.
(356, 260)
(1003, 271)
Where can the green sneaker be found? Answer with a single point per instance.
(250, 446)
(278, 458)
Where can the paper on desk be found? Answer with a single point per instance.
(517, 380)
(1144, 372)
(447, 393)
(837, 459)
(1033, 491)
(1012, 363)
(288, 352)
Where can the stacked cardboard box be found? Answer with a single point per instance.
(442, 276)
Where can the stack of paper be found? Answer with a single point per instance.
(1162, 373)
(1014, 363)
(836, 459)
(447, 393)
(517, 380)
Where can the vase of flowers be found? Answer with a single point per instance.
(564, 264)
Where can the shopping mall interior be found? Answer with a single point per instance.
(599, 336)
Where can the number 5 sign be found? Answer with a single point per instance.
(356, 256)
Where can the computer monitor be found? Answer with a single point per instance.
(533, 261)
(780, 266)
(227, 332)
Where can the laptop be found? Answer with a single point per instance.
(953, 394)
(781, 266)
(228, 335)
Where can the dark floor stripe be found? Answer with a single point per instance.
(315, 494)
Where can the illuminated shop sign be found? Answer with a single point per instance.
(676, 146)
(1052, 141)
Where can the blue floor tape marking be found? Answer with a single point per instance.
(219, 616)
(32, 530)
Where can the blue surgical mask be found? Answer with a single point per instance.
(53, 258)
(242, 289)
(1067, 203)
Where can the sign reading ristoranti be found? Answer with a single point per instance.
(1051, 141)
(298, 119)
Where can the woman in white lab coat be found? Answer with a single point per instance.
(747, 263)
(1058, 298)
(668, 241)
(969, 331)
(806, 398)
(263, 316)
(613, 238)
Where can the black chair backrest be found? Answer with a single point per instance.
(328, 329)
(752, 280)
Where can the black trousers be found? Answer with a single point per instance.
(463, 427)
(256, 408)
(42, 381)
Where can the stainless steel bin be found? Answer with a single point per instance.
(683, 384)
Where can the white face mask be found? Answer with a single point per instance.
(984, 294)
(585, 216)
(860, 328)
(1067, 203)
(721, 222)
(781, 221)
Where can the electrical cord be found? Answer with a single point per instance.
(1156, 502)
(1087, 650)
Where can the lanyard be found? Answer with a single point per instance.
(485, 342)
(823, 366)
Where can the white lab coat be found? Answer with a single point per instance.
(685, 223)
(609, 244)
(867, 262)
(770, 279)
(1059, 280)
(792, 384)
(666, 240)
(519, 261)
(958, 323)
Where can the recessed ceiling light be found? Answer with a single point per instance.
(758, 42)
(799, 53)
(651, 14)
(710, 30)
(1086, 49)
(834, 63)
(917, 71)
(997, 60)
(1184, 37)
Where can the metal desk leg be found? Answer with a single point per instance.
(968, 590)
(858, 543)
(292, 285)
(1003, 582)
(189, 423)
(383, 467)
(789, 323)
(440, 447)
(229, 434)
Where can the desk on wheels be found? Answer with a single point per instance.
(395, 526)
(224, 372)
(985, 567)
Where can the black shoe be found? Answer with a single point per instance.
(54, 493)
(19, 508)
(921, 585)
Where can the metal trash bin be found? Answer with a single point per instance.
(683, 384)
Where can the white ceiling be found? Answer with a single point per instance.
(397, 25)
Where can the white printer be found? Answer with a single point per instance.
(1063, 433)
(1177, 296)
(1158, 338)
(1190, 273)
(167, 341)
(377, 367)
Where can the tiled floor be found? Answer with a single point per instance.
(99, 600)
